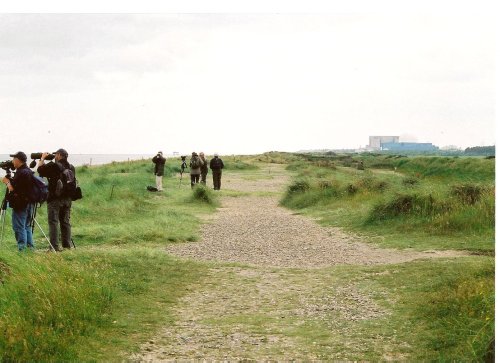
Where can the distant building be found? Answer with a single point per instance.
(391, 143)
(408, 146)
(377, 141)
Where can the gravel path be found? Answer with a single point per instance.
(256, 230)
(258, 311)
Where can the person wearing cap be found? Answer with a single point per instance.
(216, 165)
(203, 168)
(58, 207)
(159, 162)
(195, 165)
(19, 187)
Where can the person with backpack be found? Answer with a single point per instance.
(195, 165)
(18, 197)
(159, 162)
(216, 165)
(203, 168)
(62, 185)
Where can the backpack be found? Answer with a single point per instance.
(195, 163)
(39, 190)
(66, 184)
(216, 164)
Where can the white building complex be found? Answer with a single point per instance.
(377, 141)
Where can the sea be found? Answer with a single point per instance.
(90, 159)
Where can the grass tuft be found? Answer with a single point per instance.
(204, 194)
(467, 193)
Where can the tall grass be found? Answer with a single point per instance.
(423, 203)
(69, 306)
(401, 203)
(48, 304)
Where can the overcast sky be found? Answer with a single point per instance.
(243, 83)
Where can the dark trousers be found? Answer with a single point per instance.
(204, 178)
(195, 179)
(58, 211)
(216, 174)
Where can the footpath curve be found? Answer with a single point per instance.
(256, 230)
(265, 296)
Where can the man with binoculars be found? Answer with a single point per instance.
(58, 202)
(22, 209)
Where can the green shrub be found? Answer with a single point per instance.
(299, 186)
(202, 193)
(407, 204)
(467, 193)
(239, 165)
(352, 189)
(410, 181)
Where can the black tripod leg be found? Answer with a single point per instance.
(2, 220)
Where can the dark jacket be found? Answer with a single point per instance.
(159, 165)
(52, 171)
(216, 164)
(204, 166)
(22, 183)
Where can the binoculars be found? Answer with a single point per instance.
(35, 156)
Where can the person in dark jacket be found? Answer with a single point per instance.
(58, 206)
(195, 165)
(216, 165)
(204, 168)
(22, 209)
(159, 162)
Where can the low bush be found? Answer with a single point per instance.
(352, 189)
(407, 204)
(299, 186)
(203, 194)
(467, 193)
(410, 181)
(239, 165)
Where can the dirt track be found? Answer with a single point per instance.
(220, 319)
(256, 230)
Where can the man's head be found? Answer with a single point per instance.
(202, 155)
(160, 153)
(61, 154)
(18, 159)
(216, 155)
(194, 154)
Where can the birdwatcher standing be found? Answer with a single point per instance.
(204, 168)
(58, 202)
(22, 210)
(159, 162)
(216, 165)
(195, 165)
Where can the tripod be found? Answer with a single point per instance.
(183, 166)
(33, 221)
(3, 213)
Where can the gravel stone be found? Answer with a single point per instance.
(255, 230)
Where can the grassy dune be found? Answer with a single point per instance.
(448, 205)
(117, 288)
(422, 203)
(96, 301)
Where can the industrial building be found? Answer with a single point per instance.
(408, 146)
(391, 143)
(377, 141)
